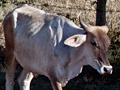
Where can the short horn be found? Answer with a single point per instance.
(83, 25)
(108, 24)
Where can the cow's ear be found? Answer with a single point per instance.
(75, 41)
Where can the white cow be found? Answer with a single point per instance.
(51, 45)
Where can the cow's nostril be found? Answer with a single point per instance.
(105, 69)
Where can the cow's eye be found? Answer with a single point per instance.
(94, 43)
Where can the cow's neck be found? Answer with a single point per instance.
(77, 60)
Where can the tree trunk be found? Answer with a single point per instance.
(101, 12)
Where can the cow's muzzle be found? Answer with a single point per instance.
(106, 69)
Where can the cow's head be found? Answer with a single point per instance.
(95, 47)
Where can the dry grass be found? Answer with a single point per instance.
(72, 9)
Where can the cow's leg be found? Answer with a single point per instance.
(11, 67)
(56, 85)
(25, 80)
(9, 52)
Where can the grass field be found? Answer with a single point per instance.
(89, 79)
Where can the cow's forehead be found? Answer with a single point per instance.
(98, 33)
(102, 37)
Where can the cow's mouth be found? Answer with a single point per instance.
(106, 69)
(103, 68)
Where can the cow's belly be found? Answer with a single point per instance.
(33, 56)
(34, 64)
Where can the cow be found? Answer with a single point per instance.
(53, 46)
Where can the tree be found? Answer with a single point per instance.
(101, 12)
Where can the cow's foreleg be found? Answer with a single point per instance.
(56, 85)
(25, 80)
(11, 67)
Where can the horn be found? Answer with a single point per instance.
(83, 25)
(108, 24)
